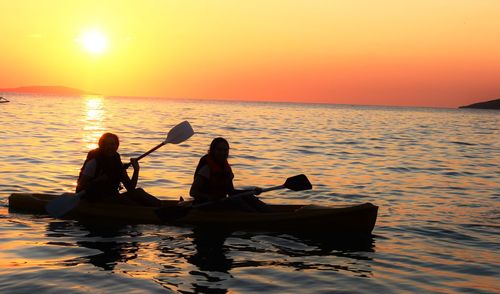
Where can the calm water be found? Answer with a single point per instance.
(433, 172)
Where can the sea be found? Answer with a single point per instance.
(434, 173)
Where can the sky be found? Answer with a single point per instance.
(439, 53)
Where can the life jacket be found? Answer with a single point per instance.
(220, 181)
(112, 167)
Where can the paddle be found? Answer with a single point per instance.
(62, 205)
(176, 135)
(172, 213)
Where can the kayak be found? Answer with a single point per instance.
(353, 219)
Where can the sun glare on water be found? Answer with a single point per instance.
(94, 42)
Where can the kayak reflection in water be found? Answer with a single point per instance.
(103, 171)
(213, 182)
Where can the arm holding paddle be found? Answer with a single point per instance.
(88, 182)
(213, 182)
(64, 204)
(295, 183)
(201, 181)
(173, 213)
(129, 183)
(213, 178)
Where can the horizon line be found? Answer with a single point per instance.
(89, 93)
(234, 100)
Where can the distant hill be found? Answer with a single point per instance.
(492, 104)
(54, 90)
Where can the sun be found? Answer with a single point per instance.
(94, 42)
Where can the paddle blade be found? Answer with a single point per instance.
(298, 183)
(62, 205)
(179, 133)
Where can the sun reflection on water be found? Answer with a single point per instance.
(433, 174)
(93, 122)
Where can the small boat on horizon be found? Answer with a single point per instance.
(3, 100)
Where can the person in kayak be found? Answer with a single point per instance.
(103, 171)
(213, 182)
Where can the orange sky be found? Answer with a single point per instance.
(426, 53)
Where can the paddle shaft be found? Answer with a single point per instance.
(127, 165)
(176, 135)
(247, 193)
(152, 149)
(295, 183)
(253, 192)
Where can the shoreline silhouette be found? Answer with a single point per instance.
(491, 104)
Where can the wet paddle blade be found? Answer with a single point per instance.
(62, 205)
(298, 183)
(179, 133)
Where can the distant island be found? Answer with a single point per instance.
(492, 104)
(52, 90)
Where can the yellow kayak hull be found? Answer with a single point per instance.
(355, 219)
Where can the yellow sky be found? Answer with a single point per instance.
(434, 53)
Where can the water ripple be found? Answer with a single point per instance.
(432, 172)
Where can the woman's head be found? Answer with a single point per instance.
(219, 149)
(108, 144)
